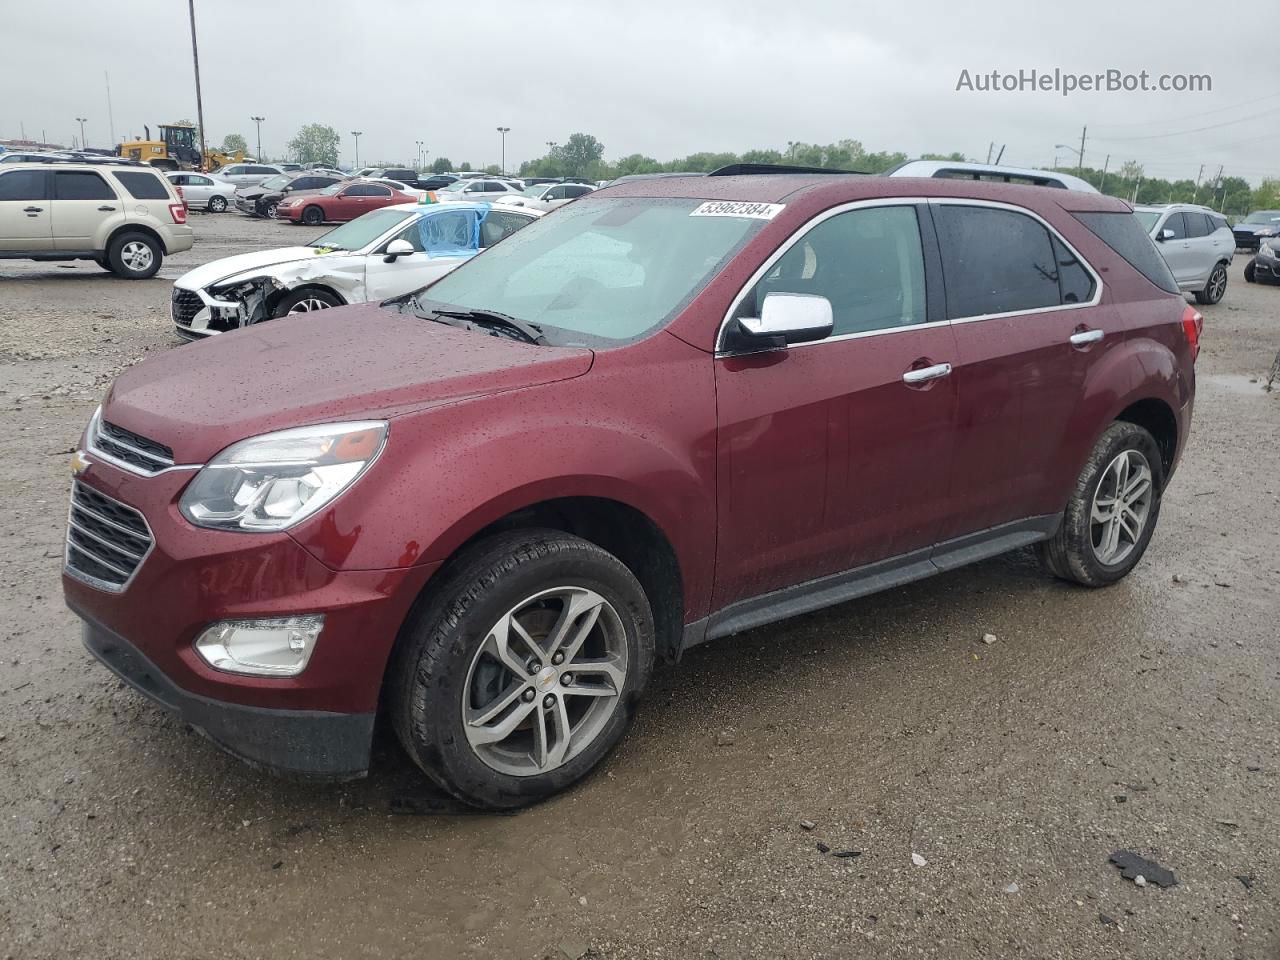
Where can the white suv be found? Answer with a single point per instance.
(125, 218)
(1197, 244)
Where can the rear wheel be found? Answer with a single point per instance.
(523, 669)
(313, 216)
(135, 256)
(1215, 288)
(217, 204)
(305, 301)
(1113, 510)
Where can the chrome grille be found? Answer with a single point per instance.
(185, 304)
(106, 540)
(145, 456)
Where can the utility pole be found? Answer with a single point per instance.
(111, 117)
(1105, 163)
(195, 61)
(257, 121)
(1195, 195)
(990, 147)
(1217, 182)
(1080, 169)
(504, 131)
(356, 134)
(1001, 153)
(81, 121)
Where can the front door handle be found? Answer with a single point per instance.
(106, 209)
(32, 209)
(925, 374)
(1085, 337)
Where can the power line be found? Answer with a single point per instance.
(1188, 116)
(1179, 133)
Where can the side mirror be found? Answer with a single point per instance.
(1165, 234)
(786, 318)
(397, 248)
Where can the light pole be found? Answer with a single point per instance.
(195, 60)
(257, 122)
(81, 121)
(356, 134)
(419, 143)
(504, 131)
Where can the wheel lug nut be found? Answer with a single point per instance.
(529, 695)
(566, 678)
(558, 659)
(549, 701)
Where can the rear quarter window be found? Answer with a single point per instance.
(142, 185)
(1123, 234)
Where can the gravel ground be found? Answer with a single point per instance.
(1142, 717)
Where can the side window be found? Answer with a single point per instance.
(1197, 224)
(1219, 223)
(498, 225)
(180, 179)
(356, 190)
(199, 181)
(557, 193)
(374, 190)
(1175, 224)
(579, 191)
(23, 185)
(868, 263)
(81, 185)
(995, 261)
(262, 170)
(143, 186)
(1074, 281)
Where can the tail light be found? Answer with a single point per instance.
(1192, 326)
(179, 212)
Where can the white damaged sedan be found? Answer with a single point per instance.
(385, 253)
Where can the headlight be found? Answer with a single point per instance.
(271, 482)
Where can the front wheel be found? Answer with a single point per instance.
(1215, 288)
(305, 301)
(269, 211)
(1113, 510)
(1249, 275)
(523, 669)
(313, 216)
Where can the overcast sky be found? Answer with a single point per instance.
(658, 77)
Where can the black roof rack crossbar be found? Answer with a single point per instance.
(755, 169)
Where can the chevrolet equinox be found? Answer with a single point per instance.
(671, 411)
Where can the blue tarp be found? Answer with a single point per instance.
(447, 231)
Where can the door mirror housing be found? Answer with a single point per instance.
(785, 318)
(399, 247)
(1165, 234)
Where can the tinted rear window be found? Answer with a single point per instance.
(81, 185)
(995, 261)
(1123, 234)
(143, 186)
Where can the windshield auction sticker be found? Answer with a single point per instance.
(738, 208)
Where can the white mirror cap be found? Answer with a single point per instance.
(400, 246)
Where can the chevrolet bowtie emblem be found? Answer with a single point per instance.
(79, 463)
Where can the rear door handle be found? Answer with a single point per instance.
(1085, 337)
(32, 209)
(106, 209)
(925, 374)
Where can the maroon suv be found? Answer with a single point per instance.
(675, 410)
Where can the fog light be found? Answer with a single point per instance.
(264, 648)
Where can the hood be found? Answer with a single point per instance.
(348, 363)
(202, 277)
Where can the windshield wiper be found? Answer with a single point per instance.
(492, 318)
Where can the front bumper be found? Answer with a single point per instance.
(193, 577)
(310, 744)
(289, 213)
(247, 206)
(1266, 269)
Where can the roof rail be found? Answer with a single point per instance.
(755, 169)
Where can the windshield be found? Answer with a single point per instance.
(362, 231)
(609, 270)
(276, 182)
(1263, 216)
(1147, 218)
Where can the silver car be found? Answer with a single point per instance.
(1197, 244)
(478, 188)
(248, 174)
(204, 191)
(548, 196)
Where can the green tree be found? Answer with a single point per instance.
(442, 165)
(234, 143)
(1267, 196)
(493, 169)
(315, 143)
(464, 167)
(579, 156)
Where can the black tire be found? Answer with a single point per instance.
(217, 204)
(269, 210)
(440, 644)
(1070, 553)
(103, 262)
(313, 216)
(319, 300)
(126, 259)
(1215, 288)
(1249, 275)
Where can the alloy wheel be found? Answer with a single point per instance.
(308, 305)
(1121, 507)
(545, 681)
(136, 256)
(1217, 283)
